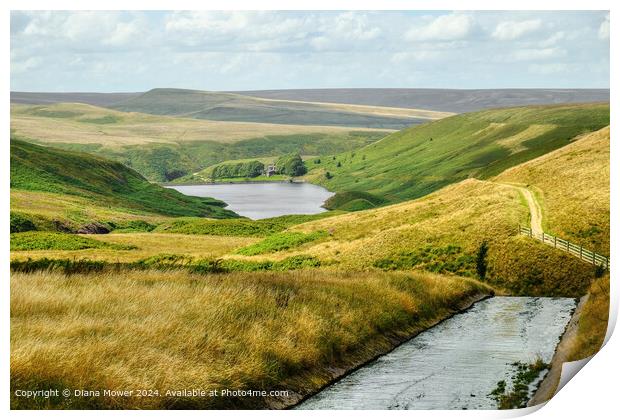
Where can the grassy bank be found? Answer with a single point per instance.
(174, 330)
(592, 322)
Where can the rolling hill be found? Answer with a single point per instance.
(87, 124)
(421, 159)
(219, 106)
(163, 148)
(450, 100)
(46, 174)
(91, 98)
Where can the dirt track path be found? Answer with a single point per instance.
(535, 209)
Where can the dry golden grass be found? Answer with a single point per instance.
(592, 322)
(385, 111)
(148, 245)
(136, 128)
(463, 214)
(442, 232)
(174, 330)
(572, 184)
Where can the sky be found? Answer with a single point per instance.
(133, 51)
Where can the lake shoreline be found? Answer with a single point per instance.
(262, 200)
(194, 184)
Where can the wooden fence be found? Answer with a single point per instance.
(564, 245)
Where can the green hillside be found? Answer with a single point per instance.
(421, 159)
(220, 106)
(166, 162)
(104, 182)
(164, 148)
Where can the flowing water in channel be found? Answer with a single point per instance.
(263, 200)
(456, 364)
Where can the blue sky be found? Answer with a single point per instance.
(236, 50)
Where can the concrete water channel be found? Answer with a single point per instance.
(457, 363)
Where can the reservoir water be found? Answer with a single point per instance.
(264, 200)
(456, 364)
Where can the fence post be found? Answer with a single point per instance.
(594, 258)
(581, 251)
(555, 241)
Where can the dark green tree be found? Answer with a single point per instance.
(291, 165)
(481, 260)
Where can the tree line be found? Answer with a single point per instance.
(290, 165)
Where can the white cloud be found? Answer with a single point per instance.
(443, 28)
(354, 26)
(207, 22)
(534, 54)
(270, 49)
(348, 30)
(124, 33)
(554, 39)
(603, 30)
(511, 30)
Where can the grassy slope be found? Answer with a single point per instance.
(233, 107)
(592, 322)
(162, 148)
(353, 201)
(442, 232)
(131, 247)
(174, 330)
(103, 182)
(572, 184)
(183, 237)
(87, 124)
(53, 211)
(422, 159)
